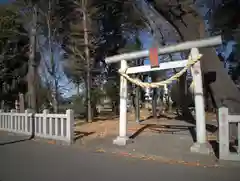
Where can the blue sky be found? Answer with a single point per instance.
(146, 40)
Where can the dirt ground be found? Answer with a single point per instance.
(108, 125)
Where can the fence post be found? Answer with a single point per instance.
(70, 125)
(12, 119)
(45, 112)
(223, 132)
(201, 146)
(122, 138)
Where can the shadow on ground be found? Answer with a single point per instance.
(80, 123)
(100, 117)
(215, 146)
(81, 134)
(105, 117)
(161, 129)
(186, 118)
(15, 141)
(77, 135)
(173, 129)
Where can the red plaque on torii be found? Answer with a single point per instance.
(153, 57)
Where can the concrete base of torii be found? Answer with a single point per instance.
(202, 148)
(122, 141)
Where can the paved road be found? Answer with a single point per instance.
(37, 161)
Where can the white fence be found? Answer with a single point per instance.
(224, 120)
(44, 125)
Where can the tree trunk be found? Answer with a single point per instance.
(154, 103)
(2, 105)
(87, 56)
(182, 94)
(52, 69)
(21, 103)
(78, 89)
(191, 27)
(55, 97)
(137, 104)
(32, 65)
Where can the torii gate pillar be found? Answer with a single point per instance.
(122, 139)
(201, 145)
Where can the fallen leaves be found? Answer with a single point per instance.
(100, 150)
(164, 160)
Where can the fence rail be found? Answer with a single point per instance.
(44, 125)
(224, 146)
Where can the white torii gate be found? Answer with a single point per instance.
(201, 145)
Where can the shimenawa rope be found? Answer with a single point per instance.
(191, 61)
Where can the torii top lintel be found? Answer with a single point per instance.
(208, 42)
